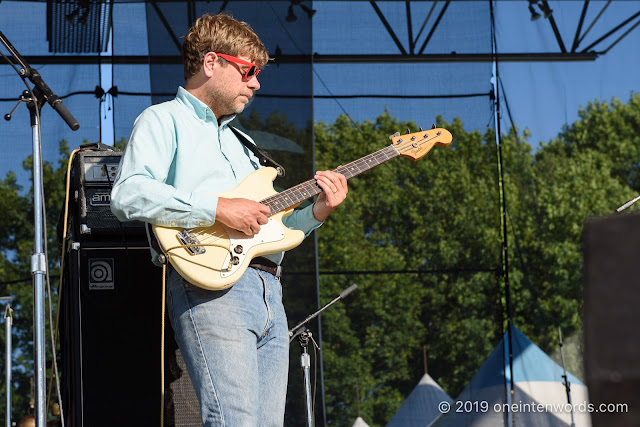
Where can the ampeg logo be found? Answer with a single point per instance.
(100, 199)
(101, 274)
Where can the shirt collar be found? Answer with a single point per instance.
(199, 108)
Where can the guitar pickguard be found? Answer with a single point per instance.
(241, 244)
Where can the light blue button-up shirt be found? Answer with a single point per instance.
(176, 158)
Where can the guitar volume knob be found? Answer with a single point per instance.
(238, 249)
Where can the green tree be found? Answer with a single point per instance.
(433, 223)
(590, 169)
(432, 229)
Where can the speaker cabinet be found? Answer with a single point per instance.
(110, 337)
(612, 317)
(182, 408)
(111, 315)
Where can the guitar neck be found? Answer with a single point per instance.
(306, 190)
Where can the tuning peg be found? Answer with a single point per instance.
(394, 135)
(420, 129)
(433, 126)
(408, 130)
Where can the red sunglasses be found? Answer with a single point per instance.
(251, 72)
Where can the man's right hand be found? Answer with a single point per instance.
(242, 214)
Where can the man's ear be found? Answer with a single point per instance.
(209, 63)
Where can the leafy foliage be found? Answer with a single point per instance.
(433, 223)
(16, 240)
(422, 240)
(432, 232)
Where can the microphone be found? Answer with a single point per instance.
(41, 86)
(52, 98)
(348, 291)
(300, 327)
(626, 205)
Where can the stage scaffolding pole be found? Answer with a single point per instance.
(8, 323)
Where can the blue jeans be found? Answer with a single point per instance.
(235, 343)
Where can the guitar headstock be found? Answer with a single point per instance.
(415, 145)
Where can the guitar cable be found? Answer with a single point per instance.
(60, 282)
(163, 260)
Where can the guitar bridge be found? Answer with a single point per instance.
(187, 238)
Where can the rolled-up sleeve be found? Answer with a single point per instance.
(303, 220)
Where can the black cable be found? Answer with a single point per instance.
(313, 69)
(382, 272)
(523, 265)
(268, 95)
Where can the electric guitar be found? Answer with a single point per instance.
(215, 257)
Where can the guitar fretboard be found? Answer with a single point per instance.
(308, 189)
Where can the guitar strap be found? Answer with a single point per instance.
(264, 157)
(151, 238)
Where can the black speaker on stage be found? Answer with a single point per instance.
(182, 408)
(611, 318)
(110, 337)
(111, 315)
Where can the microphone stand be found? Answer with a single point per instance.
(35, 100)
(567, 383)
(8, 354)
(304, 335)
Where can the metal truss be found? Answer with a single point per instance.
(412, 53)
(414, 45)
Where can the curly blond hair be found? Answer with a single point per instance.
(223, 34)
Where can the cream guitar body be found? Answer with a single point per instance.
(215, 257)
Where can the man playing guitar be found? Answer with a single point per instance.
(234, 341)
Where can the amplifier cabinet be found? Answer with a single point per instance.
(93, 174)
(110, 313)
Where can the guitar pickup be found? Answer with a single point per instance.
(187, 238)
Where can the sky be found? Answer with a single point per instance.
(541, 96)
(544, 96)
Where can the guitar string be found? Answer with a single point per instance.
(304, 191)
(379, 156)
(301, 192)
(308, 189)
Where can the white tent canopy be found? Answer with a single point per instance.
(539, 395)
(359, 422)
(421, 406)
